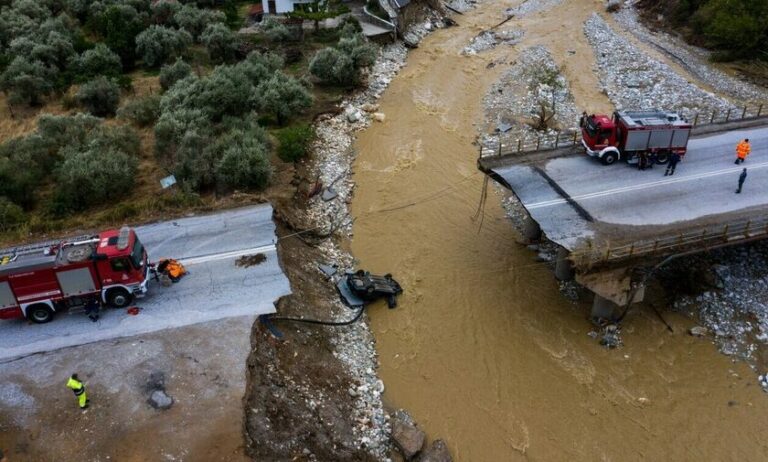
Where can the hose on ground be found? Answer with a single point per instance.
(357, 316)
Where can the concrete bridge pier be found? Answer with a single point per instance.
(612, 289)
(531, 230)
(605, 309)
(563, 266)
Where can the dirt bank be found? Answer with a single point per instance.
(483, 339)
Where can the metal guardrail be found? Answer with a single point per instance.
(509, 145)
(705, 237)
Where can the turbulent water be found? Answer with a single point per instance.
(483, 350)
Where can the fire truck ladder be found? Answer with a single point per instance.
(11, 254)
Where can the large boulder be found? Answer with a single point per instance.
(407, 437)
(437, 452)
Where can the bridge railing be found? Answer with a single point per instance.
(705, 237)
(509, 145)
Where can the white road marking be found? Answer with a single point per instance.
(666, 181)
(226, 255)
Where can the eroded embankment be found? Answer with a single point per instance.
(483, 350)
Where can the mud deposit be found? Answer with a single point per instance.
(483, 350)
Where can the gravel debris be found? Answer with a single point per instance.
(732, 299)
(488, 39)
(532, 6)
(514, 99)
(695, 60)
(462, 5)
(634, 81)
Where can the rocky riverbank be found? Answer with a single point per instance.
(314, 394)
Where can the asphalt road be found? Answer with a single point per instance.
(703, 187)
(215, 287)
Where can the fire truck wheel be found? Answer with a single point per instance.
(662, 158)
(119, 298)
(609, 158)
(40, 313)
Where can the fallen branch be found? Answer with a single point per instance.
(504, 21)
(452, 9)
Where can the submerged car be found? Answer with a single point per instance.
(368, 287)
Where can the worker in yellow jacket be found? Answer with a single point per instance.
(742, 151)
(78, 388)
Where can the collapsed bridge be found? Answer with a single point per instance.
(611, 220)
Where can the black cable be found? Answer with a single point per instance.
(319, 322)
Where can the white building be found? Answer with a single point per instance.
(280, 6)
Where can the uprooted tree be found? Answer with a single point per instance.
(545, 83)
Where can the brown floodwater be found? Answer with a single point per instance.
(483, 350)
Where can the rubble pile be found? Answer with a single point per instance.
(513, 102)
(733, 305)
(633, 80)
(488, 39)
(694, 60)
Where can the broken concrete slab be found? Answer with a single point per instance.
(159, 399)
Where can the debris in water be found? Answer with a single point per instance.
(247, 261)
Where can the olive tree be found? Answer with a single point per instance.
(194, 20)
(283, 96)
(157, 44)
(332, 66)
(92, 176)
(99, 96)
(172, 73)
(244, 162)
(99, 60)
(220, 42)
(10, 214)
(120, 25)
(163, 11)
(27, 81)
(275, 30)
(142, 111)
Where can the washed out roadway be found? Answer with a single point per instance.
(588, 194)
(215, 287)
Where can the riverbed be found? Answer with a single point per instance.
(483, 350)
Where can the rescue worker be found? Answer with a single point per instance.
(742, 178)
(92, 309)
(674, 158)
(742, 151)
(642, 162)
(583, 119)
(78, 388)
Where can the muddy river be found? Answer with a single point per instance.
(483, 349)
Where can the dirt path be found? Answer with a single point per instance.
(483, 350)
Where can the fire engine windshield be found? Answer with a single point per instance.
(137, 255)
(592, 128)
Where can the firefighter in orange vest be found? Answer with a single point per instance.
(742, 151)
(78, 388)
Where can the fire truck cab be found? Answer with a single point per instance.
(39, 280)
(633, 135)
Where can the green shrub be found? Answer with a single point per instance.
(115, 137)
(90, 177)
(283, 96)
(294, 142)
(332, 66)
(27, 82)
(10, 214)
(99, 60)
(220, 42)
(244, 163)
(172, 73)
(59, 131)
(275, 30)
(99, 96)
(142, 111)
(194, 20)
(158, 44)
(22, 168)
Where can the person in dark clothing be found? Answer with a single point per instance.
(742, 178)
(642, 162)
(92, 309)
(674, 158)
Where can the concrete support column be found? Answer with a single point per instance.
(604, 308)
(531, 230)
(563, 266)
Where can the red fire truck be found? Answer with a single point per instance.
(629, 135)
(39, 280)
